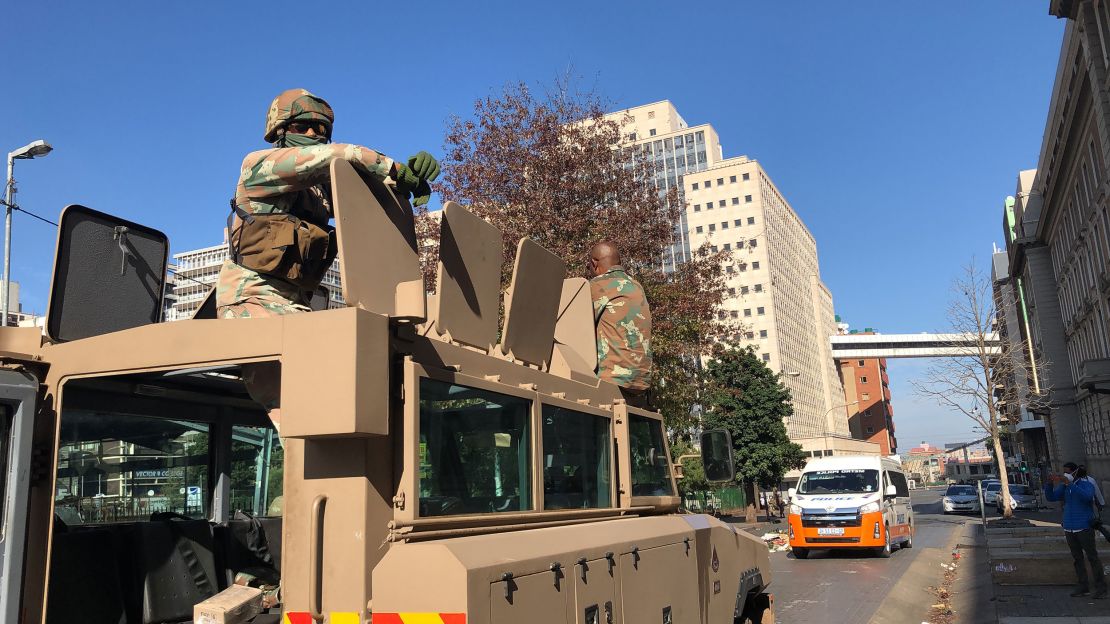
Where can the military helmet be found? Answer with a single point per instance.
(295, 104)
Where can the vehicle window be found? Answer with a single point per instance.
(1019, 489)
(123, 467)
(257, 462)
(844, 481)
(651, 473)
(960, 490)
(994, 487)
(899, 481)
(576, 471)
(475, 451)
(5, 450)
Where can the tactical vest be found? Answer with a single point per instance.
(282, 246)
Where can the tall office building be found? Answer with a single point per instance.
(774, 281)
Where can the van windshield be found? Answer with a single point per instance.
(844, 481)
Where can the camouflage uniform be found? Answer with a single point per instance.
(287, 180)
(623, 321)
(291, 180)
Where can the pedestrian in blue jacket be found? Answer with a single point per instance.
(1079, 516)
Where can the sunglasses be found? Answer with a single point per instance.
(302, 127)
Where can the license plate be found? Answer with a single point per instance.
(830, 530)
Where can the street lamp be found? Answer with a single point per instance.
(27, 152)
(825, 423)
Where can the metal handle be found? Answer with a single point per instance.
(316, 558)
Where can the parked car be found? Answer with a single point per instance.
(1021, 497)
(960, 498)
(991, 491)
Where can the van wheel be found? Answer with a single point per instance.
(884, 552)
(801, 553)
(909, 541)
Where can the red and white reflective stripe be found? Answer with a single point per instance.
(300, 617)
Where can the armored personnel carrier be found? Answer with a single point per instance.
(432, 465)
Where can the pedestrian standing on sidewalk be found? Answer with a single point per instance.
(1078, 495)
(1100, 502)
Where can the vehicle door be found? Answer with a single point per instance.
(18, 395)
(902, 508)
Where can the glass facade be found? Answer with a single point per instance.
(670, 158)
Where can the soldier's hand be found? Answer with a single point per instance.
(421, 194)
(407, 180)
(425, 166)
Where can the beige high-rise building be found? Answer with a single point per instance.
(774, 280)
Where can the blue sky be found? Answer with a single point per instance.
(894, 129)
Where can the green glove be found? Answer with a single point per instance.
(407, 180)
(425, 166)
(422, 194)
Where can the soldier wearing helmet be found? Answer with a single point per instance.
(279, 235)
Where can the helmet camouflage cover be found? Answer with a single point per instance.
(295, 104)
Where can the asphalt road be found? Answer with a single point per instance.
(833, 587)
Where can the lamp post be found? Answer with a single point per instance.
(825, 423)
(27, 152)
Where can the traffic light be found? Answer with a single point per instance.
(1024, 466)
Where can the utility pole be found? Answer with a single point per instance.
(31, 150)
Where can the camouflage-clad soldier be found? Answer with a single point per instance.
(280, 239)
(623, 322)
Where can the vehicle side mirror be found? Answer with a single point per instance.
(891, 491)
(716, 456)
(790, 492)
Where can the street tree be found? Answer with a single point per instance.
(992, 375)
(553, 168)
(744, 396)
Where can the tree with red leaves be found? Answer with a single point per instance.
(553, 169)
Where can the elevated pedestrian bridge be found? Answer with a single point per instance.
(862, 346)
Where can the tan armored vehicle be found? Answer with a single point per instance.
(431, 466)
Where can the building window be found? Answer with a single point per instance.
(708, 184)
(732, 179)
(860, 363)
(728, 247)
(713, 248)
(733, 314)
(651, 114)
(698, 229)
(736, 223)
(736, 202)
(720, 181)
(694, 187)
(729, 270)
(721, 203)
(747, 199)
(973, 470)
(743, 267)
(712, 227)
(746, 177)
(732, 292)
(759, 311)
(866, 396)
(747, 312)
(870, 430)
(724, 225)
(755, 266)
(751, 220)
(697, 207)
(743, 290)
(766, 357)
(752, 243)
(863, 379)
(652, 132)
(759, 288)
(763, 333)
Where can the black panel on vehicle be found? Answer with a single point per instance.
(109, 275)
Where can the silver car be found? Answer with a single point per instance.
(1021, 497)
(991, 491)
(960, 498)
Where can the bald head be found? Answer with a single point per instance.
(603, 256)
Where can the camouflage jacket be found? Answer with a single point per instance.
(294, 180)
(623, 322)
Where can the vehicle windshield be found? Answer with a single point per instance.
(844, 481)
(994, 487)
(1019, 489)
(960, 490)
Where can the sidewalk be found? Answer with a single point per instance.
(1046, 604)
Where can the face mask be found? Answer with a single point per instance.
(302, 140)
(1069, 476)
